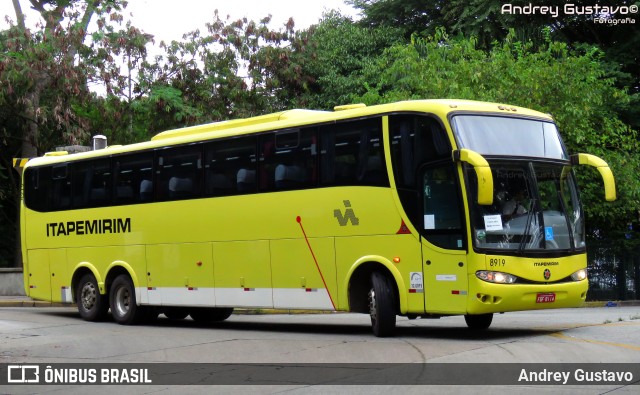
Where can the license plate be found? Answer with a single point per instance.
(546, 298)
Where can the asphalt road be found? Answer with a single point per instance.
(588, 335)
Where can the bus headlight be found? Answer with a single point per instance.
(496, 277)
(579, 275)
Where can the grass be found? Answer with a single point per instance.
(620, 319)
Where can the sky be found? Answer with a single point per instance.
(169, 19)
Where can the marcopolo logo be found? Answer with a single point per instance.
(609, 14)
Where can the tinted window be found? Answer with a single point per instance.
(415, 140)
(230, 167)
(92, 182)
(288, 160)
(37, 184)
(442, 221)
(352, 154)
(179, 172)
(60, 191)
(134, 178)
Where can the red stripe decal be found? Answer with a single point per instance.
(299, 220)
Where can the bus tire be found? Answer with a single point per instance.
(92, 305)
(213, 314)
(479, 322)
(381, 306)
(122, 299)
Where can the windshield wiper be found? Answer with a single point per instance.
(525, 231)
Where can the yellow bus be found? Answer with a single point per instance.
(418, 209)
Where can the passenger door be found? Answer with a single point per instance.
(443, 243)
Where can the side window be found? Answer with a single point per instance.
(37, 184)
(133, 178)
(91, 183)
(60, 191)
(288, 160)
(415, 140)
(179, 172)
(442, 222)
(230, 167)
(352, 153)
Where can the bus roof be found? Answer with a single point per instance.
(292, 119)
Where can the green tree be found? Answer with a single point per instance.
(332, 56)
(485, 20)
(411, 16)
(233, 69)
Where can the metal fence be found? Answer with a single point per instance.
(614, 274)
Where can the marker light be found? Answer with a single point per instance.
(496, 277)
(579, 275)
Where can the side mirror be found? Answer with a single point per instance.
(483, 172)
(603, 168)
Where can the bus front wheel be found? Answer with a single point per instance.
(478, 322)
(381, 306)
(92, 305)
(122, 299)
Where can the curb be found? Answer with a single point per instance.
(32, 303)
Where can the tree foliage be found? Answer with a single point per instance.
(333, 56)
(45, 72)
(485, 20)
(235, 68)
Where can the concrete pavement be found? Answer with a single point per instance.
(25, 301)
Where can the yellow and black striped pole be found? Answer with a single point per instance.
(19, 163)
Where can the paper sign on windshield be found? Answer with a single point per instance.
(492, 222)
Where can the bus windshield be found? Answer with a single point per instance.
(493, 135)
(535, 207)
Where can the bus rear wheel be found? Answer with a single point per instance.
(381, 306)
(478, 322)
(213, 314)
(122, 299)
(92, 305)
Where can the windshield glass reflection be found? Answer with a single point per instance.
(535, 207)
